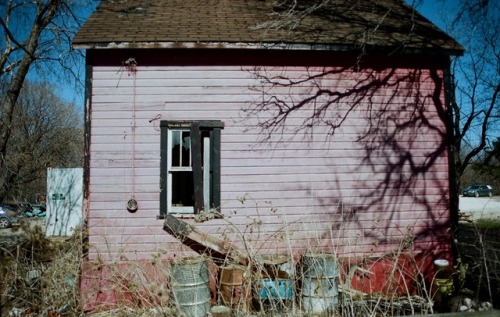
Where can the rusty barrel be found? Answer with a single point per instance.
(319, 292)
(189, 284)
(233, 289)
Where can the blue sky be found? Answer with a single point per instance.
(438, 11)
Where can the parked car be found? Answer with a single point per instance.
(8, 216)
(477, 190)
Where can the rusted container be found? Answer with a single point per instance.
(234, 289)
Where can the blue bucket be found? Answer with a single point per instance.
(275, 288)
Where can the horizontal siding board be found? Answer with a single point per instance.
(129, 238)
(340, 176)
(268, 182)
(138, 171)
(255, 165)
(280, 170)
(174, 87)
(123, 188)
(331, 144)
(121, 133)
(273, 191)
(174, 99)
(231, 154)
(250, 148)
(190, 71)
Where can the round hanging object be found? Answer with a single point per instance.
(132, 205)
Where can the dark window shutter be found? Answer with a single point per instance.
(163, 171)
(215, 169)
(197, 169)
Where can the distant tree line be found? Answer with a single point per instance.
(46, 131)
(485, 169)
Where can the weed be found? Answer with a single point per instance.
(42, 277)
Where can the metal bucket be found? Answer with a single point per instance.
(233, 290)
(189, 282)
(319, 284)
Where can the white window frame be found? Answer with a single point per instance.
(172, 169)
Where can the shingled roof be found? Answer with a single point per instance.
(340, 25)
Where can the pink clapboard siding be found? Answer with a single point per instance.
(382, 174)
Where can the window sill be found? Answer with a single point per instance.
(201, 217)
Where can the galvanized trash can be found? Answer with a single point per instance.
(319, 292)
(189, 284)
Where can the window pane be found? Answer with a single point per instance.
(182, 189)
(180, 148)
(206, 173)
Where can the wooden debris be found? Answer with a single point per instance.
(203, 243)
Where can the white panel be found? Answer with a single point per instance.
(64, 200)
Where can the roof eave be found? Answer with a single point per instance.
(263, 45)
(210, 45)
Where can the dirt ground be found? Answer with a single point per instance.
(481, 207)
(14, 230)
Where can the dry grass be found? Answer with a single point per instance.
(40, 276)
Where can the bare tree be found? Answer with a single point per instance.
(45, 132)
(477, 82)
(34, 35)
(491, 162)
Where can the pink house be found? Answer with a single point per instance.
(328, 134)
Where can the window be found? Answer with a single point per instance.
(190, 166)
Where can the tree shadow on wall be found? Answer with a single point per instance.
(395, 119)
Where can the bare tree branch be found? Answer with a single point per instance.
(37, 34)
